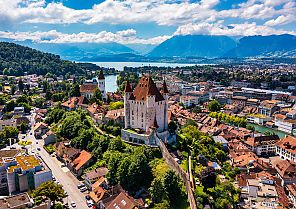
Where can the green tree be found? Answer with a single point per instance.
(75, 90)
(157, 190)
(116, 105)
(116, 144)
(51, 190)
(172, 186)
(97, 97)
(21, 85)
(214, 106)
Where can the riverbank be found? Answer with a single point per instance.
(263, 129)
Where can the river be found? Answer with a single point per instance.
(262, 129)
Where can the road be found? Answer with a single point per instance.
(63, 175)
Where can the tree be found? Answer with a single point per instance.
(51, 190)
(172, 127)
(75, 90)
(172, 186)
(23, 127)
(108, 99)
(157, 190)
(214, 106)
(97, 97)
(116, 144)
(12, 89)
(21, 85)
(116, 105)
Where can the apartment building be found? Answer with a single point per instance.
(286, 148)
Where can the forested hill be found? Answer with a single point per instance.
(16, 59)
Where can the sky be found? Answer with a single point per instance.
(141, 21)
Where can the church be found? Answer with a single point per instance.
(146, 112)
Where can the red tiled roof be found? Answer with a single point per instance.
(90, 88)
(128, 87)
(292, 189)
(146, 87)
(288, 143)
(286, 169)
(122, 201)
(82, 159)
(165, 88)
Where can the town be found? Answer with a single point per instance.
(166, 138)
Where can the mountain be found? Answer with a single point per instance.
(16, 60)
(75, 51)
(194, 45)
(264, 46)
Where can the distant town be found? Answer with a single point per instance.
(204, 136)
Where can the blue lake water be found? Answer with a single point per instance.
(111, 85)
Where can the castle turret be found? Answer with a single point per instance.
(165, 93)
(101, 85)
(127, 95)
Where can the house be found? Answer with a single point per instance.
(8, 123)
(269, 107)
(286, 148)
(95, 109)
(18, 201)
(122, 201)
(49, 138)
(74, 102)
(115, 115)
(88, 90)
(285, 124)
(40, 129)
(286, 171)
(92, 176)
(20, 111)
(262, 145)
(80, 162)
(222, 141)
(291, 188)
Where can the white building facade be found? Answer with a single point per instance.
(146, 112)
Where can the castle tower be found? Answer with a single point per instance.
(127, 95)
(101, 85)
(165, 94)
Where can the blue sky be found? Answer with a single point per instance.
(141, 21)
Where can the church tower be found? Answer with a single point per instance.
(101, 85)
(165, 94)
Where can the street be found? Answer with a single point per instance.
(62, 175)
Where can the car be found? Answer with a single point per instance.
(80, 186)
(66, 193)
(38, 149)
(12, 147)
(83, 189)
(31, 133)
(89, 204)
(63, 165)
(87, 197)
(73, 204)
(53, 178)
(36, 142)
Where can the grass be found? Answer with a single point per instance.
(50, 148)
(131, 131)
(184, 165)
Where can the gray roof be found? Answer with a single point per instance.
(220, 139)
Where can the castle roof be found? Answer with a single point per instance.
(146, 87)
(101, 75)
(165, 88)
(128, 87)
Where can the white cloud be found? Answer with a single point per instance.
(53, 36)
(244, 29)
(281, 20)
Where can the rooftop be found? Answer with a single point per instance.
(25, 163)
(15, 201)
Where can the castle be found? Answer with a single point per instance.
(146, 112)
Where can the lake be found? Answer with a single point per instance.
(111, 85)
(120, 65)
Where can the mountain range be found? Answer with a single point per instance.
(181, 47)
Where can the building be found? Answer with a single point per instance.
(291, 188)
(269, 107)
(122, 201)
(146, 112)
(80, 162)
(49, 138)
(285, 124)
(20, 111)
(262, 145)
(101, 85)
(92, 176)
(19, 201)
(222, 141)
(8, 123)
(286, 148)
(40, 129)
(286, 171)
(88, 90)
(74, 102)
(24, 173)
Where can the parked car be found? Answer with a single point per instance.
(87, 197)
(73, 204)
(80, 186)
(38, 149)
(83, 189)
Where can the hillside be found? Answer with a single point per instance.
(194, 45)
(16, 59)
(264, 46)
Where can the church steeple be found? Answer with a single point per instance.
(101, 75)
